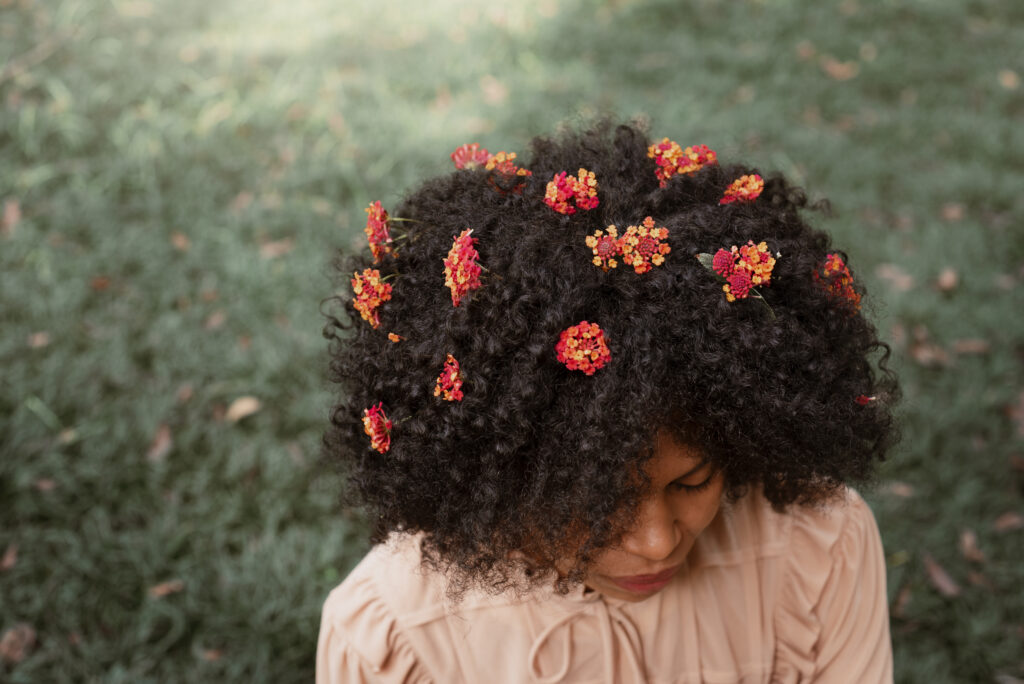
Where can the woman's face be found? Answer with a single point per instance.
(685, 495)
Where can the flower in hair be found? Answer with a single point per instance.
(370, 292)
(605, 247)
(461, 270)
(581, 190)
(378, 231)
(377, 425)
(502, 163)
(673, 159)
(642, 246)
(449, 382)
(864, 400)
(837, 279)
(470, 156)
(743, 189)
(742, 268)
(582, 347)
(395, 338)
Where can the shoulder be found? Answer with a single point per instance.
(365, 619)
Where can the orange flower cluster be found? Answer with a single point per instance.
(580, 189)
(642, 246)
(370, 293)
(838, 280)
(377, 425)
(470, 156)
(673, 159)
(461, 270)
(744, 268)
(743, 189)
(502, 163)
(378, 231)
(449, 382)
(582, 347)
(605, 247)
(395, 338)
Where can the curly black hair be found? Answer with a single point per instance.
(540, 458)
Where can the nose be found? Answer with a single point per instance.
(658, 531)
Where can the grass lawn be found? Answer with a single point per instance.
(176, 175)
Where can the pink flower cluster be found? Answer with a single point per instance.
(580, 190)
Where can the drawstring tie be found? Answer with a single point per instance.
(617, 633)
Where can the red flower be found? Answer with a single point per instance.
(377, 425)
(377, 231)
(582, 347)
(370, 293)
(470, 156)
(673, 159)
(739, 286)
(836, 278)
(642, 246)
(581, 190)
(605, 247)
(743, 189)
(461, 270)
(864, 400)
(449, 382)
(722, 263)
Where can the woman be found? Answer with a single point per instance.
(603, 411)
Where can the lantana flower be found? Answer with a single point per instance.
(606, 246)
(378, 231)
(470, 156)
(582, 347)
(743, 189)
(370, 292)
(377, 425)
(461, 270)
(673, 159)
(864, 400)
(642, 246)
(580, 189)
(394, 337)
(502, 163)
(743, 268)
(449, 382)
(837, 279)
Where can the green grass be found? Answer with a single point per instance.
(128, 128)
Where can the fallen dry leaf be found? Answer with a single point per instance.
(1009, 521)
(939, 578)
(969, 546)
(16, 643)
(166, 588)
(212, 654)
(272, 250)
(898, 279)
(161, 444)
(929, 355)
(11, 217)
(39, 339)
(971, 346)
(100, 283)
(215, 320)
(805, 50)
(209, 295)
(242, 407)
(979, 579)
(948, 280)
(899, 606)
(900, 489)
(180, 241)
(839, 71)
(1009, 79)
(953, 211)
(45, 484)
(9, 558)
(184, 393)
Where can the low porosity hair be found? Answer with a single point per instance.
(547, 461)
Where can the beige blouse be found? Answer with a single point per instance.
(762, 597)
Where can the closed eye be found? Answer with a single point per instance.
(692, 488)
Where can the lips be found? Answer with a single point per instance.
(643, 584)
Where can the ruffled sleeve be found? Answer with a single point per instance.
(361, 641)
(832, 619)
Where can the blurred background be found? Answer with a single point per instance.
(175, 176)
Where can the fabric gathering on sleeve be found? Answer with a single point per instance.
(832, 619)
(361, 641)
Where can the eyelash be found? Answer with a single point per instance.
(692, 489)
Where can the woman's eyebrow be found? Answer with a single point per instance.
(691, 471)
